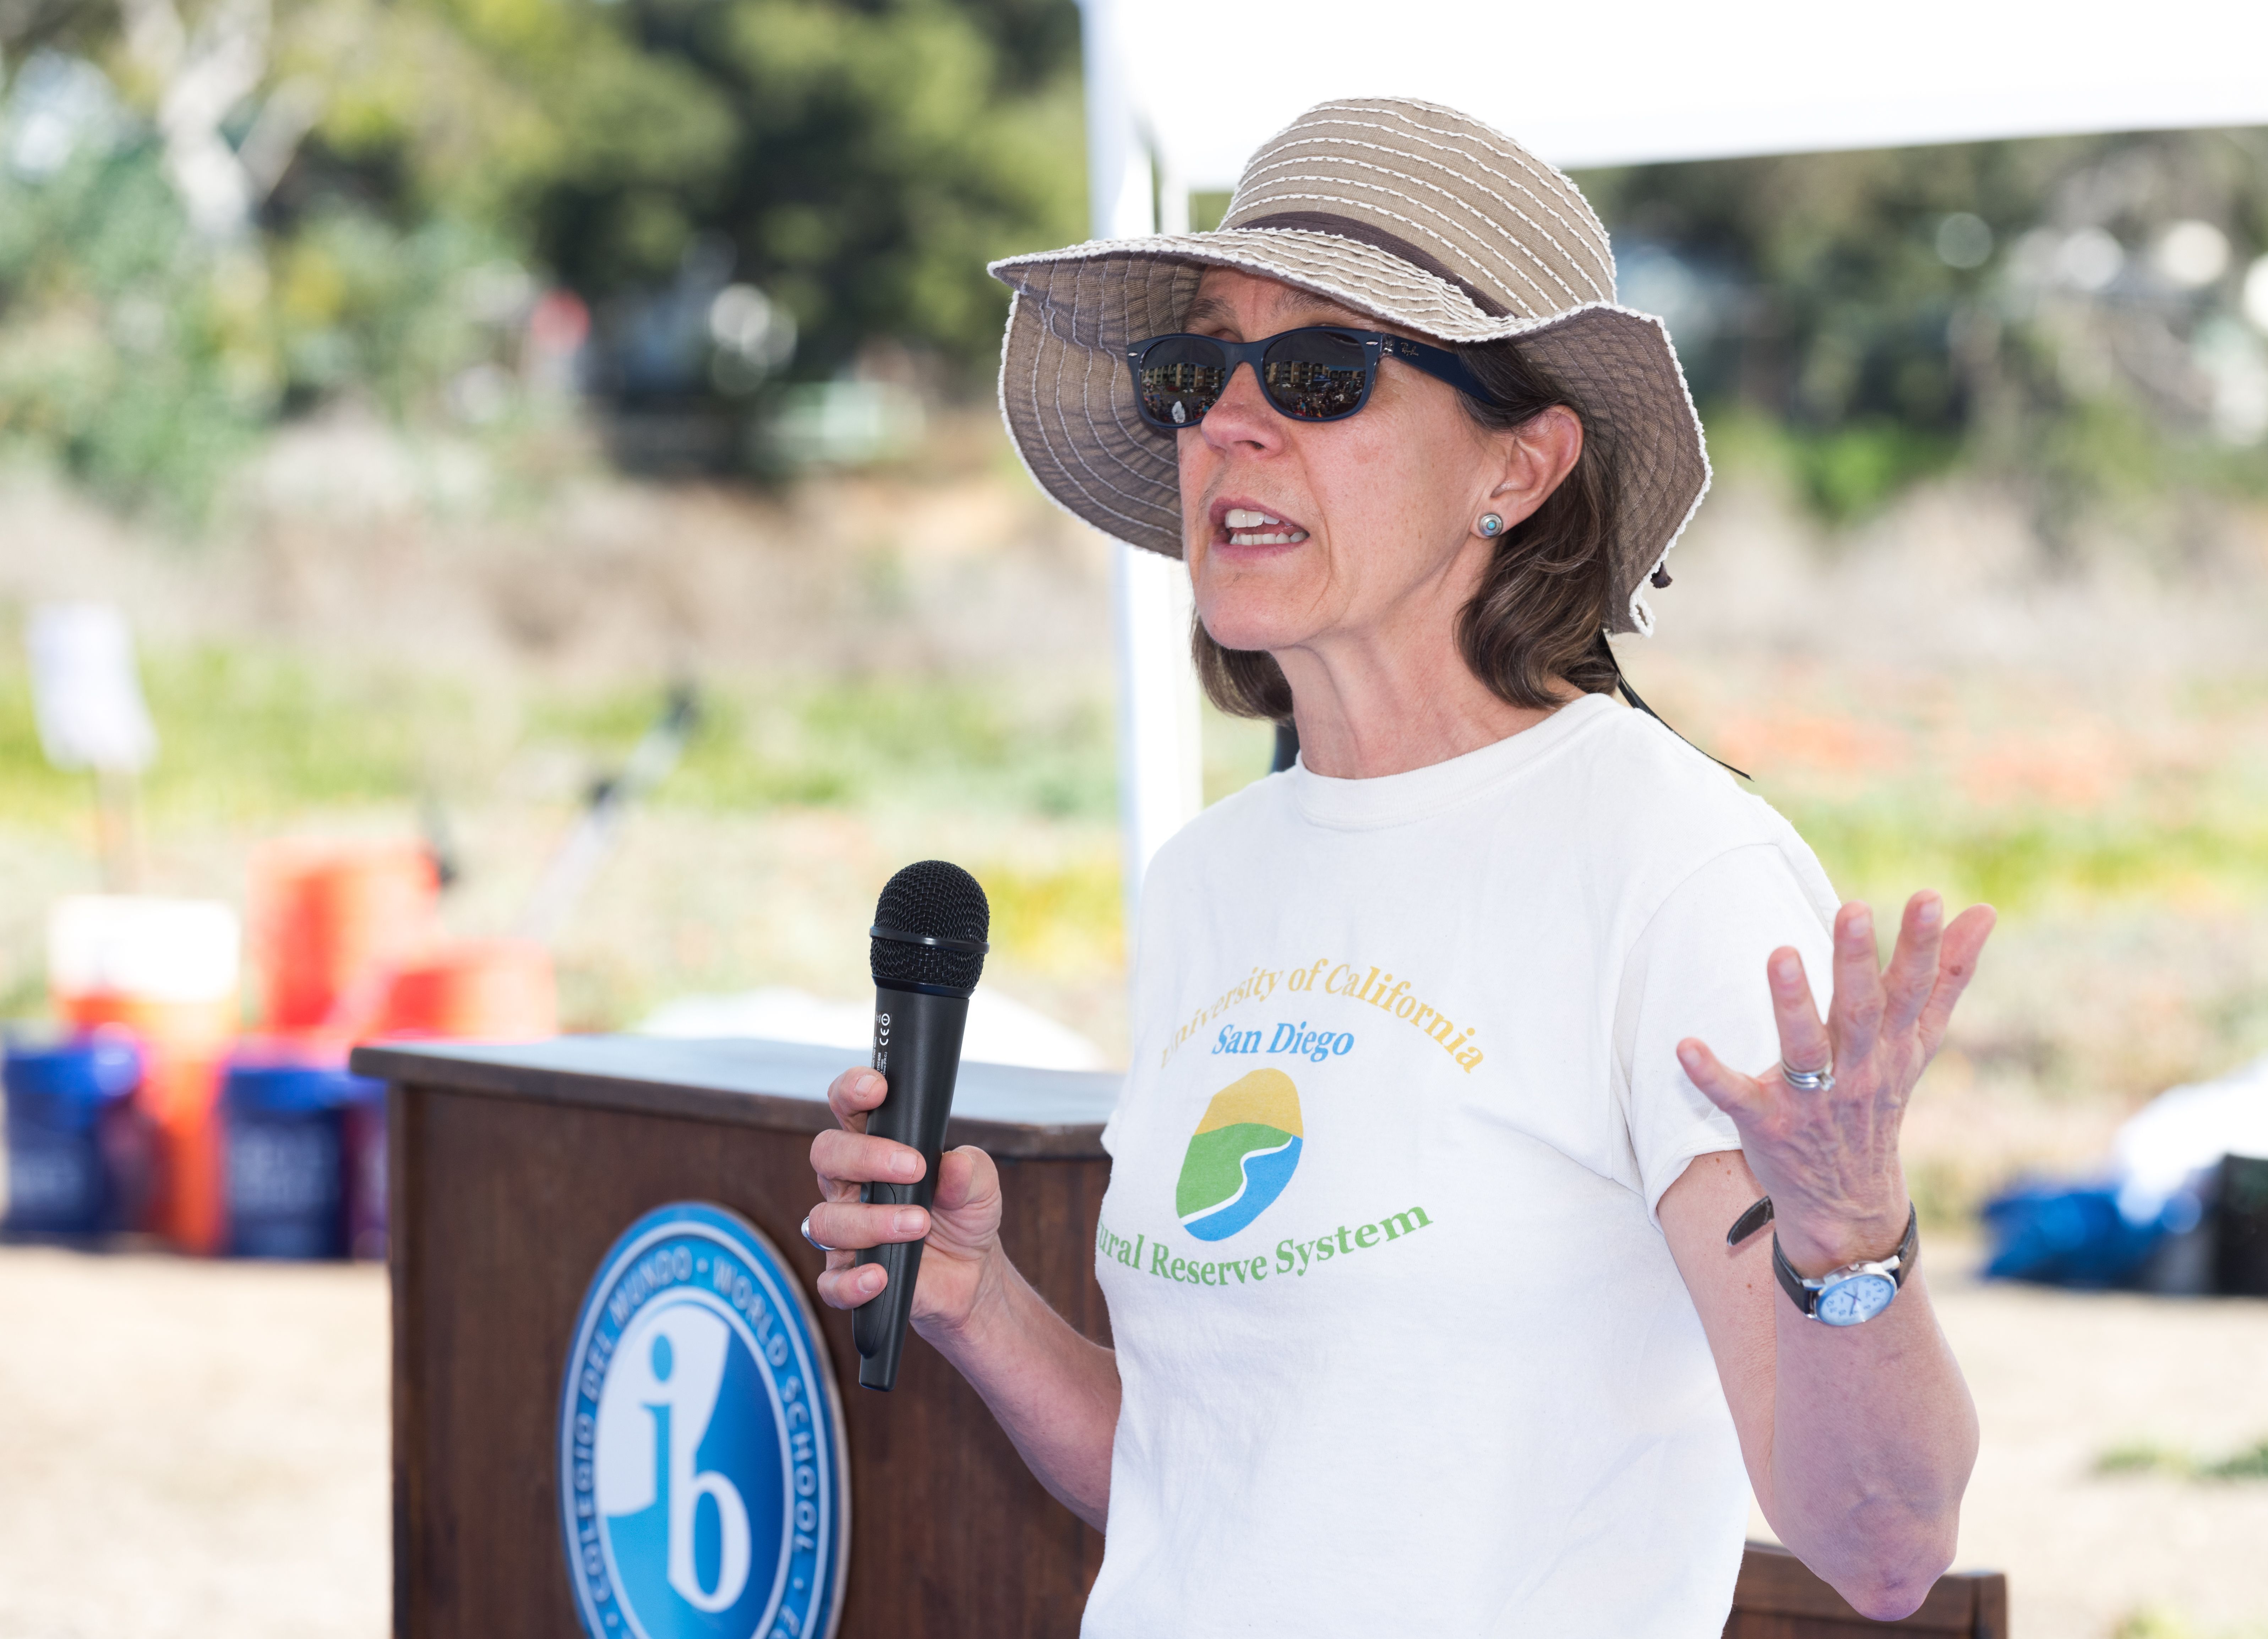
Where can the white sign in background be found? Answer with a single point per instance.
(85, 692)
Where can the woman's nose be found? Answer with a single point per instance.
(1242, 417)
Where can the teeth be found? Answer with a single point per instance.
(1287, 538)
(1240, 519)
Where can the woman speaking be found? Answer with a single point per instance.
(1489, 1203)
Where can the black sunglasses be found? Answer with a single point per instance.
(1323, 372)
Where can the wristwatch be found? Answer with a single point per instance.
(1848, 1297)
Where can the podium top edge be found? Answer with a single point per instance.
(1013, 1112)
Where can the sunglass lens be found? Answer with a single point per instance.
(1182, 378)
(1312, 375)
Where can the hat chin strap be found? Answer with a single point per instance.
(1606, 651)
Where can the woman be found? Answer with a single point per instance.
(1430, 1310)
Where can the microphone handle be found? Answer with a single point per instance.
(918, 1049)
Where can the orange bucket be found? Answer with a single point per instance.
(333, 921)
(498, 990)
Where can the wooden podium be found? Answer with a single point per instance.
(513, 1170)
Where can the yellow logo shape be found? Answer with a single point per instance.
(1265, 1098)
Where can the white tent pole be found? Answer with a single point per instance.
(1159, 760)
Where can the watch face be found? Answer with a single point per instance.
(1857, 1298)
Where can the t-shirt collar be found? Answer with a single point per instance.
(1420, 792)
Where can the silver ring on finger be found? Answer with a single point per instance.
(1819, 1081)
(813, 1239)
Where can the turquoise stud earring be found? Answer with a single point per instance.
(1490, 525)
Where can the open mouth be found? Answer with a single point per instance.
(1247, 526)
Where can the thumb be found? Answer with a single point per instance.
(1738, 1095)
(965, 1176)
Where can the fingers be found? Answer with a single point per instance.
(1803, 1040)
(847, 1226)
(848, 1288)
(850, 1226)
(1906, 983)
(847, 1157)
(1738, 1095)
(1854, 1016)
(1956, 965)
(854, 1093)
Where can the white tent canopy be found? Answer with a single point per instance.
(1209, 80)
(1181, 92)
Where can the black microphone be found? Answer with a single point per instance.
(928, 945)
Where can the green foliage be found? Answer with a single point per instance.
(474, 107)
(145, 362)
(2246, 1465)
(1844, 473)
(1821, 292)
(871, 742)
(2024, 859)
(2158, 1621)
(2143, 1457)
(253, 734)
(863, 161)
(860, 160)
(124, 353)
(882, 155)
(2154, 1623)
(247, 735)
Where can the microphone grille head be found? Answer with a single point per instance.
(931, 900)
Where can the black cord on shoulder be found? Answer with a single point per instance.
(1607, 651)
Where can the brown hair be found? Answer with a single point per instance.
(1542, 600)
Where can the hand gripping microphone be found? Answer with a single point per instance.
(927, 953)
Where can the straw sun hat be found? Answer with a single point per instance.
(1404, 209)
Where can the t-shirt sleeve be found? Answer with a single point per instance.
(1698, 970)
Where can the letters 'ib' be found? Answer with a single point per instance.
(670, 1366)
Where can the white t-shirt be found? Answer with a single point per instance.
(1402, 1346)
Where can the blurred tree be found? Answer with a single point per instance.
(343, 197)
(110, 359)
(2014, 301)
(862, 161)
(326, 197)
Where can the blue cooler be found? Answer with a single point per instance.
(287, 1179)
(58, 1099)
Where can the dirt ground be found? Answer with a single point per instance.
(201, 1448)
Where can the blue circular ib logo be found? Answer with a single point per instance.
(703, 1481)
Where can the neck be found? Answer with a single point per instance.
(1370, 706)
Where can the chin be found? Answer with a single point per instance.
(1263, 598)
(1248, 621)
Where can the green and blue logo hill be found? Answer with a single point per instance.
(1241, 1156)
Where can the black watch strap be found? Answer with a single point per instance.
(1802, 1296)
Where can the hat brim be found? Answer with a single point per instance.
(1067, 393)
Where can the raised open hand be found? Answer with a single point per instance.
(1828, 1157)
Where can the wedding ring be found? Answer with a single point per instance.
(813, 1239)
(1819, 1081)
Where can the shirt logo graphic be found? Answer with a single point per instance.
(1241, 1156)
(701, 1454)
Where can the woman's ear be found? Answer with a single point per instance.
(1538, 456)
